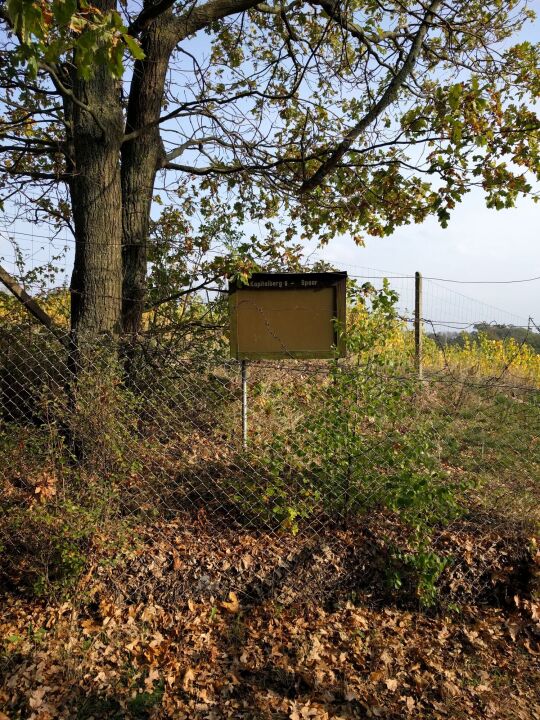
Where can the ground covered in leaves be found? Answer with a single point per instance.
(202, 621)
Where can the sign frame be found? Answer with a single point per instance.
(281, 282)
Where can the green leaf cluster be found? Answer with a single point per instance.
(47, 32)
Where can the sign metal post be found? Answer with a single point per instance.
(244, 405)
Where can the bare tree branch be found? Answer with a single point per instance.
(32, 306)
(68, 93)
(181, 293)
(149, 13)
(199, 17)
(386, 99)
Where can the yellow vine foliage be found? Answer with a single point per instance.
(510, 360)
(56, 304)
(483, 356)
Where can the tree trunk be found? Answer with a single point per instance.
(96, 129)
(96, 283)
(141, 158)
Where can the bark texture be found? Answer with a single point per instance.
(141, 158)
(96, 283)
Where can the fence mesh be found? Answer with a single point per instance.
(126, 463)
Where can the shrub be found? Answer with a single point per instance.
(356, 439)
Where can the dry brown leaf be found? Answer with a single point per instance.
(513, 630)
(148, 613)
(90, 626)
(534, 650)
(385, 658)
(188, 679)
(45, 486)
(482, 688)
(247, 561)
(153, 676)
(449, 689)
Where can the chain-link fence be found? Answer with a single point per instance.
(125, 460)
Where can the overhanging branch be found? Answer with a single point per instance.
(198, 17)
(181, 293)
(32, 306)
(380, 106)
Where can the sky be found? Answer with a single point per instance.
(479, 244)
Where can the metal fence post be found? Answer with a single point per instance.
(244, 404)
(418, 345)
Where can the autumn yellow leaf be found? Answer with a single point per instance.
(233, 606)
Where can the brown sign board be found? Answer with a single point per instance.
(288, 315)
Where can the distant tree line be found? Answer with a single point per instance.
(493, 332)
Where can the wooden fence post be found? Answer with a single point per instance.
(418, 345)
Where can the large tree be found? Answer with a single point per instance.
(315, 117)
